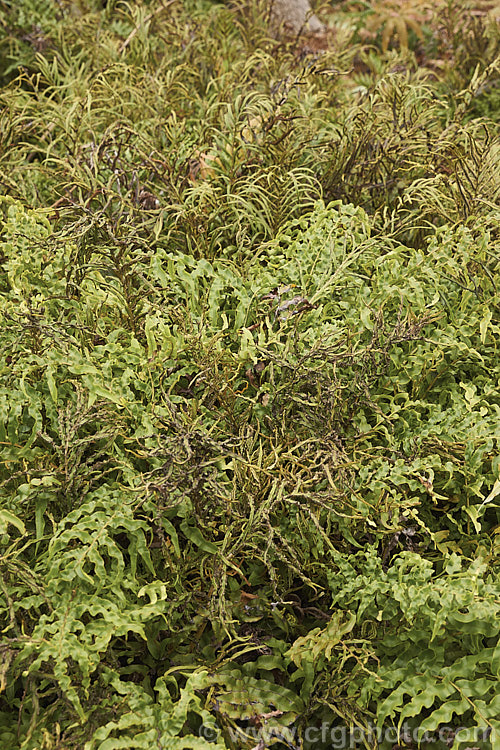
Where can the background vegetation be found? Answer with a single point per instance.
(249, 369)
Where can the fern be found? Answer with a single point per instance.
(249, 401)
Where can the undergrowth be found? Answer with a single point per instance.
(249, 378)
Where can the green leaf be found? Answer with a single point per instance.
(483, 326)
(7, 518)
(196, 537)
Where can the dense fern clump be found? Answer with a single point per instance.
(249, 369)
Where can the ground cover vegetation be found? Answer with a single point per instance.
(249, 390)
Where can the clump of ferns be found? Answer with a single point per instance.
(393, 23)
